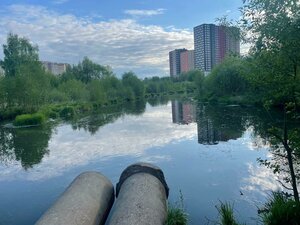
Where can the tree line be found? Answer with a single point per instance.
(26, 86)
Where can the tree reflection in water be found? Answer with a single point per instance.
(27, 145)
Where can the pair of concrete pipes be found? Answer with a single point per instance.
(141, 193)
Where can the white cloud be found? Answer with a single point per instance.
(123, 44)
(138, 12)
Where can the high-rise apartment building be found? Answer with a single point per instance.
(212, 43)
(54, 68)
(187, 61)
(174, 60)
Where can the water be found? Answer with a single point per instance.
(208, 153)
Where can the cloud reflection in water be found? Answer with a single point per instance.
(127, 136)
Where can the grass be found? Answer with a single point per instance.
(226, 214)
(177, 214)
(281, 210)
(29, 119)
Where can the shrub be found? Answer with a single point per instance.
(29, 119)
(53, 115)
(67, 112)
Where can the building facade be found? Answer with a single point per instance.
(55, 68)
(212, 43)
(187, 61)
(183, 113)
(174, 61)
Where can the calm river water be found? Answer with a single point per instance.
(208, 153)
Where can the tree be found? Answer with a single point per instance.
(273, 26)
(130, 80)
(227, 78)
(17, 52)
(86, 71)
(274, 29)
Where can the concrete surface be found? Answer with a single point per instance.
(86, 201)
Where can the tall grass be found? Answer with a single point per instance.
(281, 210)
(226, 214)
(177, 214)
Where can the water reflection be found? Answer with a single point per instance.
(42, 161)
(183, 112)
(214, 124)
(77, 143)
(26, 145)
(29, 145)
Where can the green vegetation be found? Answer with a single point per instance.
(226, 214)
(278, 210)
(176, 213)
(281, 209)
(29, 119)
(26, 87)
(227, 82)
(176, 216)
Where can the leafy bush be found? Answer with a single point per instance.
(227, 78)
(67, 112)
(52, 115)
(29, 119)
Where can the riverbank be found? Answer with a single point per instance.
(69, 111)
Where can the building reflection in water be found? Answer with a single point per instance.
(183, 113)
(207, 133)
(212, 126)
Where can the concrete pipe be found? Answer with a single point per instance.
(142, 194)
(87, 201)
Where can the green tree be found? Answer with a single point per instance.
(130, 80)
(86, 71)
(96, 91)
(75, 90)
(227, 78)
(273, 26)
(17, 52)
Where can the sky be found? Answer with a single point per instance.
(128, 35)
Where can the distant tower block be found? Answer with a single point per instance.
(212, 43)
(174, 60)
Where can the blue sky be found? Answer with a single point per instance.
(125, 34)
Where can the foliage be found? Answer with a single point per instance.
(226, 214)
(17, 53)
(273, 27)
(131, 81)
(75, 90)
(177, 214)
(67, 112)
(227, 78)
(96, 91)
(86, 71)
(280, 209)
(29, 119)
